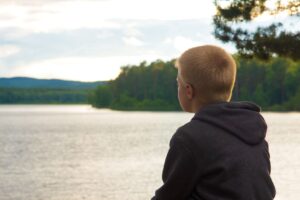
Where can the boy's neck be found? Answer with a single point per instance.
(197, 106)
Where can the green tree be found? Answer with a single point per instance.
(42, 96)
(275, 81)
(274, 85)
(101, 97)
(141, 87)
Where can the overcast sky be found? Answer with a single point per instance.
(90, 40)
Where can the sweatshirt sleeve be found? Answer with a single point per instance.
(179, 173)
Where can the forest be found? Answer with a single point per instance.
(274, 85)
(43, 96)
(25, 90)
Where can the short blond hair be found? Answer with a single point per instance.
(210, 70)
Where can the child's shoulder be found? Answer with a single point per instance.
(193, 132)
(193, 128)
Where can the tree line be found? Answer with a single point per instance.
(140, 87)
(43, 96)
(274, 85)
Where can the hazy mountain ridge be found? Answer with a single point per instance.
(27, 82)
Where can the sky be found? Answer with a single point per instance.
(89, 40)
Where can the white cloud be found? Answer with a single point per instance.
(33, 2)
(131, 30)
(78, 68)
(133, 41)
(8, 50)
(131, 35)
(55, 36)
(54, 17)
(181, 43)
(70, 15)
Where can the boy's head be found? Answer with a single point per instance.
(206, 74)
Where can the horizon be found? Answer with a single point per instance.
(27, 77)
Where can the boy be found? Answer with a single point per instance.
(221, 154)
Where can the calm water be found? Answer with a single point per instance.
(77, 152)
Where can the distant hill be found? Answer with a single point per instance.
(25, 82)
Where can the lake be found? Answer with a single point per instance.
(76, 152)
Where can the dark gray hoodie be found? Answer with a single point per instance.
(221, 154)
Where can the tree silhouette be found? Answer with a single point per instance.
(264, 42)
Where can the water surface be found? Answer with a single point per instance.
(77, 152)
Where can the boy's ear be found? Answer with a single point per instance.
(189, 91)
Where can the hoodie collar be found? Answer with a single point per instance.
(241, 119)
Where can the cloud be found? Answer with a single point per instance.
(78, 68)
(8, 50)
(48, 54)
(133, 41)
(181, 43)
(132, 34)
(90, 40)
(132, 30)
(138, 37)
(56, 16)
(31, 2)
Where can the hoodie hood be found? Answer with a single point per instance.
(242, 119)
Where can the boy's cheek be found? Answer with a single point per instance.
(181, 97)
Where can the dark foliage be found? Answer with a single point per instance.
(143, 87)
(265, 42)
(42, 96)
(26, 82)
(274, 85)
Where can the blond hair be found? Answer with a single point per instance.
(210, 70)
